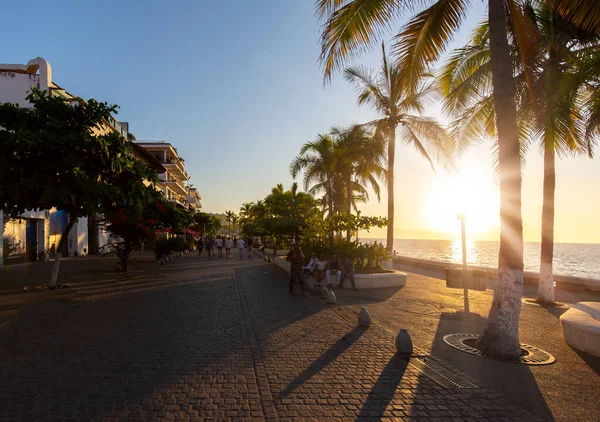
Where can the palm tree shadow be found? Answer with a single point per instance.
(384, 389)
(324, 360)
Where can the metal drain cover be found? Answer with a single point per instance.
(531, 354)
(440, 374)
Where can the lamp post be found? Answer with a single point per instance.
(463, 217)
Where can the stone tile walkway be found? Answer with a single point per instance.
(215, 339)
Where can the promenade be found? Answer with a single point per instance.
(217, 339)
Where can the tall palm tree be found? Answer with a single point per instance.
(391, 94)
(552, 117)
(352, 25)
(317, 160)
(360, 158)
(229, 216)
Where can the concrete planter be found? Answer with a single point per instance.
(362, 281)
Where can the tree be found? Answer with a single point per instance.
(317, 160)
(205, 223)
(359, 161)
(550, 112)
(55, 157)
(352, 25)
(393, 97)
(229, 217)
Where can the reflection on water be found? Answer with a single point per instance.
(574, 259)
(472, 253)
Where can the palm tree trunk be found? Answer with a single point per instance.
(330, 206)
(501, 335)
(390, 186)
(546, 282)
(349, 203)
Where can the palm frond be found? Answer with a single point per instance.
(352, 26)
(425, 37)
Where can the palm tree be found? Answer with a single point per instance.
(359, 162)
(229, 216)
(317, 159)
(352, 25)
(234, 220)
(552, 117)
(396, 100)
(246, 211)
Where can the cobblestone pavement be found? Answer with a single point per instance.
(217, 339)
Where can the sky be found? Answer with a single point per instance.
(237, 88)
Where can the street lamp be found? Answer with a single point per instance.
(463, 217)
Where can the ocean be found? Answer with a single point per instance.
(571, 259)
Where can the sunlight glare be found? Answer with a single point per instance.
(471, 191)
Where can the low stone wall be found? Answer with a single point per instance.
(529, 277)
(362, 281)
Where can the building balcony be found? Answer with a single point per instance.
(176, 167)
(176, 187)
(179, 201)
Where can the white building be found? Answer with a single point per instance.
(37, 232)
(173, 182)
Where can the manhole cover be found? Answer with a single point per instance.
(530, 355)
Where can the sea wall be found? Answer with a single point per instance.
(437, 269)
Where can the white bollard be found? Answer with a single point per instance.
(308, 284)
(330, 297)
(404, 343)
(364, 319)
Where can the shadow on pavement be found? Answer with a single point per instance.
(592, 361)
(383, 390)
(514, 381)
(325, 359)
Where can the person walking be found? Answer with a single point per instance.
(250, 241)
(209, 247)
(200, 246)
(220, 246)
(241, 244)
(228, 247)
(297, 262)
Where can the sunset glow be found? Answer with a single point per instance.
(471, 191)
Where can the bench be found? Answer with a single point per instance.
(581, 327)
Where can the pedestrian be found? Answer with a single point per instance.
(321, 268)
(200, 246)
(250, 247)
(220, 246)
(241, 244)
(333, 270)
(347, 272)
(209, 247)
(228, 247)
(297, 261)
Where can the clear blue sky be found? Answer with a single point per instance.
(235, 86)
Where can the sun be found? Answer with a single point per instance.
(472, 191)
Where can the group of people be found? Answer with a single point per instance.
(221, 242)
(331, 271)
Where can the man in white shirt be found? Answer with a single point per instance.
(241, 245)
(228, 244)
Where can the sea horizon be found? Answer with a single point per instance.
(570, 259)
